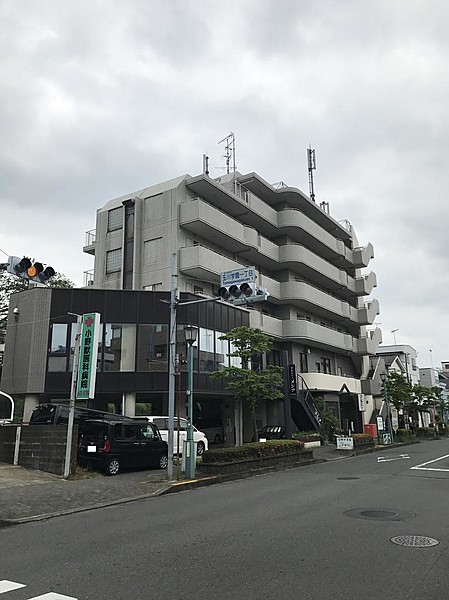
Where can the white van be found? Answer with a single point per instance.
(198, 436)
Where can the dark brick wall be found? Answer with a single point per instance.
(7, 443)
(41, 447)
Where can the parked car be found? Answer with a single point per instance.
(113, 445)
(198, 436)
(272, 432)
(212, 429)
(58, 414)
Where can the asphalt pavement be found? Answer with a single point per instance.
(30, 495)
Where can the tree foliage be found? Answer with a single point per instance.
(251, 385)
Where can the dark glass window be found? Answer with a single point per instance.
(152, 348)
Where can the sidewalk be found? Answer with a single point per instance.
(27, 495)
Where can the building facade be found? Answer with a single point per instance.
(312, 265)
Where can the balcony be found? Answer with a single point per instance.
(368, 345)
(88, 278)
(329, 383)
(89, 246)
(364, 285)
(367, 315)
(205, 264)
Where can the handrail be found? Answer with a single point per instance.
(310, 403)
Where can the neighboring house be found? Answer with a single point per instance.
(406, 360)
(311, 264)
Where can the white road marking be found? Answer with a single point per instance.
(53, 596)
(422, 466)
(388, 459)
(9, 586)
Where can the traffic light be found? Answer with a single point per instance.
(26, 269)
(245, 293)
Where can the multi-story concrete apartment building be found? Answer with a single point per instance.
(311, 264)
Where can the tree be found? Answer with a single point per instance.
(248, 384)
(9, 284)
(399, 390)
(424, 398)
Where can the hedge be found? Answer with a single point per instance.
(362, 439)
(307, 436)
(253, 450)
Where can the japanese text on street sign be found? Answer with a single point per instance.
(237, 277)
(87, 367)
(292, 378)
(345, 443)
(361, 401)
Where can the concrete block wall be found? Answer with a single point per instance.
(41, 447)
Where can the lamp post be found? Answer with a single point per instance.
(384, 378)
(191, 334)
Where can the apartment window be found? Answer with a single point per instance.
(303, 362)
(197, 289)
(114, 261)
(115, 219)
(326, 365)
(318, 367)
(153, 287)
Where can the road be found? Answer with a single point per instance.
(306, 534)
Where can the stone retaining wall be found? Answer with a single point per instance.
(265, 462)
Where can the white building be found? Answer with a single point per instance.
(311, 264)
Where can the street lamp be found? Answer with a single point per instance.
(384, 378)
(191, 334)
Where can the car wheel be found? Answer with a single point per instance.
(217, 439)
(200, 448)
(112, 466)
(163, 461)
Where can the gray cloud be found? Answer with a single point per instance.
(101, 98)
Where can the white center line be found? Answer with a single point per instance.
(9, 586)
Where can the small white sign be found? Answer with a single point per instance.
(345, 443)
(380, 424)
(361, 401)
(91, 448)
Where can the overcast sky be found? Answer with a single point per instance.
(102, 97)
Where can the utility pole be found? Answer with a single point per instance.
(174, 296)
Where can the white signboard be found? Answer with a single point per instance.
(237, 277)
(362, 404)
(380, 424)
(345, 443)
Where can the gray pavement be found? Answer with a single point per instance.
(28, 495)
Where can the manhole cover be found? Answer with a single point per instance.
(414, 541)
(379, 514)
(347, 478)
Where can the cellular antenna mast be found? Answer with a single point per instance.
(229, 154)
(311, 163)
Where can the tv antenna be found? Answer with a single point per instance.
(229, 154)
(311, 164)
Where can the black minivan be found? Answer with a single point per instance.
(113, 445)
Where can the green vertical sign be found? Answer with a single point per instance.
(87, 366)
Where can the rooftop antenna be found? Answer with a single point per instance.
(229, 151)
(205, 165)
(311, 163)
(393, 331)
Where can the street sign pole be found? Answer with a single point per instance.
(68, 448)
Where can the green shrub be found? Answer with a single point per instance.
(253, 451)
(361, 439)
(307, 436)
(404, 434)
(426, 432)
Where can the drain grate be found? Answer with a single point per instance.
(414, 541)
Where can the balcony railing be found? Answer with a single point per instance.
(90, 237)
(88, 278)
